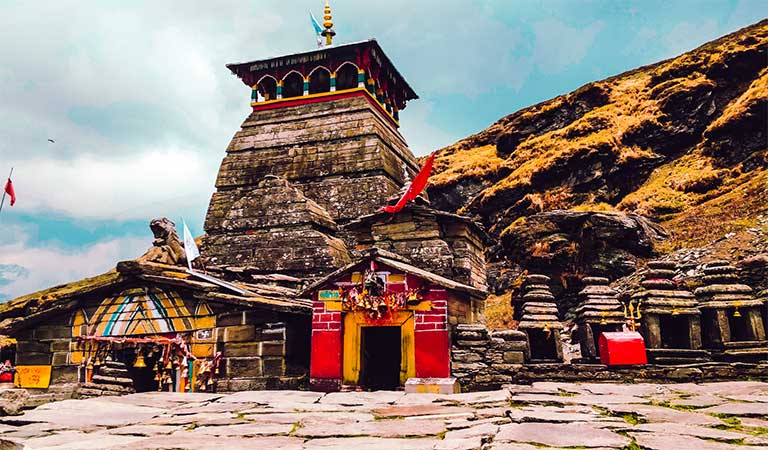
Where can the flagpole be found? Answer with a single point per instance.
(2, 202)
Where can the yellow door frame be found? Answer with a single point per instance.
(353, 324)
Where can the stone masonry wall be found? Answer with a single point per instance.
(49, 344)
(341, 152)
(485, 361)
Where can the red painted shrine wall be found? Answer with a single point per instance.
(431, 334)
(326, 342)
(432, 344)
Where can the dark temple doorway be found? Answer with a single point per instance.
(380, 347)
(675, 331)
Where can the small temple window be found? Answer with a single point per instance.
(320, 81)
(346, 77)
(675, 331)
(268, 88)
(739, 326)
(293, 85)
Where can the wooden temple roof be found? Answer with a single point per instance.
(399, 263)
(29, 308)
(367, 55)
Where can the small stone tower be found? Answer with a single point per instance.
(599, 311)
(539, 320)
(670, 320)
(732, 321)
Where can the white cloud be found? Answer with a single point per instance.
(558, 45)
(686, 36)
(50, 266)
(150, 184)
(422, 136)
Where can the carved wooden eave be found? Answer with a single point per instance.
(396, 262)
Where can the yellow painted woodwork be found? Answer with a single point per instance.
(141, 312)
(357, 277)
(333, 306)
(77, 323)
(38, 377)
(325, 94)
(396, 278)
(353, 324)
(202, 350)
(204, 317)
(425, 305)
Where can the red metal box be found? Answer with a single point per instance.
(623, 348)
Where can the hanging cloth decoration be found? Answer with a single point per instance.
(416, 187)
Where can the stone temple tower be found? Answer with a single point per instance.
(326, 122)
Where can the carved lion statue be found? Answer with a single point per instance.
(167, 248)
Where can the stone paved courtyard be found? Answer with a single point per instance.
(730, 415)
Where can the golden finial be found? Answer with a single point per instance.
(328, 24)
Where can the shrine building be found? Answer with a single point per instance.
(306, 281)
(324, 266)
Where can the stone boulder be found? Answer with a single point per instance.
(12, 401)
(564, 244)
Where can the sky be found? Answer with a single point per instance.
(141, 108)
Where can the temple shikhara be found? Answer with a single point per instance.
(325, 266)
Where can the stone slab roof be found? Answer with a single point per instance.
(36, 306)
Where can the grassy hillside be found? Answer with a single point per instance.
(682, 141)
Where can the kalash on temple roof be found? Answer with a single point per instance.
(323, 265)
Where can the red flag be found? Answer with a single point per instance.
(418, 185)
(9, 191)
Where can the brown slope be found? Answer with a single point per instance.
(672, 141)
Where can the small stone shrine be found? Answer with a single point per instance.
(539, 320)
(315, 273)
(599, 310)
(669, 317)
(732, 320)
(381, 321)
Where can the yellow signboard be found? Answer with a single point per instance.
(33, 376)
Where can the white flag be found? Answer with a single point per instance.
(190, 248)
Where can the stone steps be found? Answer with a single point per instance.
(109, 380)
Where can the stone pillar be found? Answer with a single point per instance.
(652, 331)
(306, 86)
(432, 344)
(694, 332)
(756, 328)
(333, 81)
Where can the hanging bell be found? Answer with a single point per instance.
(169, 366)
(737, 313)
(140, 364)
(157, 376)
(675, 312)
